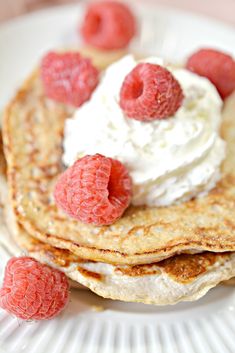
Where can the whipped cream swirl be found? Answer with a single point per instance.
(169, 160)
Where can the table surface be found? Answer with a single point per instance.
(223, 10)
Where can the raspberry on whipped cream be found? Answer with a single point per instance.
(170, 160)
(150, 92)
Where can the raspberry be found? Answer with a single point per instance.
(218, 67)
(150, 92)
(68, 78)
(95, 189)
(32, 290)
(108, 25)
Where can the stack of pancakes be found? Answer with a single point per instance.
(151, 255)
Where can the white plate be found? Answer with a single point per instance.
(205, 326)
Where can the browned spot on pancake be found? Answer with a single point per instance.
(185, 268)
(230, 224)
(202, 230)
(136, 231)
(3, 166)
(182, 268)
(230, 282)
(90, 274)
(61, 257)
(138, 270)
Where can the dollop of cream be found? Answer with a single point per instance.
(170, 160)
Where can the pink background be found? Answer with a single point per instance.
(220, 9)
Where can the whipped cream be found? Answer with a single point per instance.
(169, 160)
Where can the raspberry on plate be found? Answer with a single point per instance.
(33, 291)
(95, 189)
(150, 92)
(108, 25)
(218, 67)
(68, 77)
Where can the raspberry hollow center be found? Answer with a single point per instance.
(111, 187)
(135, 89)
(96, 24)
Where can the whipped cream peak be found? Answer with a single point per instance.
(169, 160)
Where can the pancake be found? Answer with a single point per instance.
(183, 277)
(7, 241)
(33, 133)
(229, 282)
(17, 248)
(179, 278)
(102, 58)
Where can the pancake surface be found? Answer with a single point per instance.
(33, 132)
(179, 278)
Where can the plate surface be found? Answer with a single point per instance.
(205, 326)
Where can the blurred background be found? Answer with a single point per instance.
(220, 9)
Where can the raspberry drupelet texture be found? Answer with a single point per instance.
(33, 291)
(218, 67)
(68, 77)
(150, 92)
(108, 25)
(95, 189)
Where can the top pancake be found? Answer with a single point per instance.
(33, 133)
